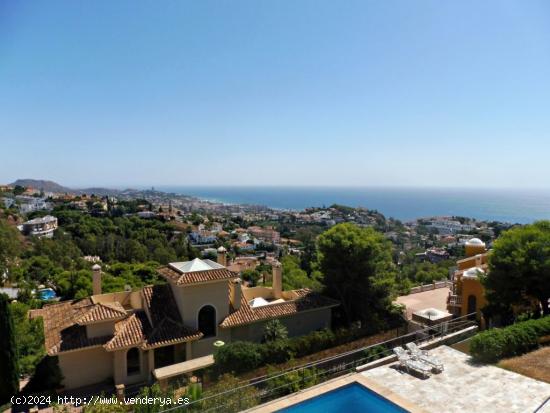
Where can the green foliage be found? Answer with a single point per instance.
(278, 351)
(425, 272)
(10, 245)
(282, 384)
(252, 276)
(232, 401)
(126, 239)
(374, 353)
(30, 338)
(520, 267)
(294, 277)
(514, 340)
(47, 376)
(239, 356)
(358, 271)
(274, 330)
(9, 368)
(159, 397)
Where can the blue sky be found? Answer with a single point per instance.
(400, 93)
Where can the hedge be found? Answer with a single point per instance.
(492, 345)
(241, 356)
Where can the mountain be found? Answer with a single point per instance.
(50, 186)
(46, 186)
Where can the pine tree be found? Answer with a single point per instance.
(9, 376)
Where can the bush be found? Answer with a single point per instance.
(239, 356)
(277, 351)
(47, 376)
(493, 345)
(291, 382)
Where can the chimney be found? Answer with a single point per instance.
(96, 279)
(277, 284)
(236, 293)
(222, 256)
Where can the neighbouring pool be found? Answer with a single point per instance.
(46, 294)
(349, 398)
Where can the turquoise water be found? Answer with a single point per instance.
(46, 294)
(348, 399)
(506, 205)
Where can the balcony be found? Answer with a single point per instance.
(454, 300)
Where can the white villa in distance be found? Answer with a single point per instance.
(124, 337)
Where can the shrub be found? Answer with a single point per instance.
(274, 330)
(492, 345)
(239, 356)
(277, 351)
(291, 382)
(47, 376)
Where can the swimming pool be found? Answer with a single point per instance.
(46, 294)
(350, 398)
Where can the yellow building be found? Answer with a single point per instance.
(468, 294)
(128, 337)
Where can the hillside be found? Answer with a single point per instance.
(46, 186)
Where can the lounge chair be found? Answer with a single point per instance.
(425, 357)
(409, 363)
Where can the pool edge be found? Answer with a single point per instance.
(319, 389)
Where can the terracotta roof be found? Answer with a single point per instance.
(307, 300)
(102, 312)
(196, 276)
(64, 329)
(130, 332)
(61, 333)
(169, 332)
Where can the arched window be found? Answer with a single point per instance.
(132, 361)
(207, 321)
(472, 304)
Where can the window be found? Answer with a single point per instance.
(132, 362)
(207, 321)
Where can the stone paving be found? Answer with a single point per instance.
(464, 387)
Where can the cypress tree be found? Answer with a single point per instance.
(9, 371)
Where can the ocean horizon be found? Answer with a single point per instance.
(506, 205)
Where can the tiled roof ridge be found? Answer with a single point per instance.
(90, 316)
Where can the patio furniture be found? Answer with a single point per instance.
(425, 357)
(411, 364)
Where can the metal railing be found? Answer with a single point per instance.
(272, 386)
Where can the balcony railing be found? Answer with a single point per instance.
(274, 386)
(454, 300)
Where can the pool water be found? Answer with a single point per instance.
(347, 399)
(46, 294)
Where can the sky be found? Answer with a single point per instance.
(281, 92)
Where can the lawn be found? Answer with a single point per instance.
(535, 364)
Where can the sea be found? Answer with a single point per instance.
(504, 205)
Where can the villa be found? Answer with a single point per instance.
(468, 294)
(123, 337)
(40, 227)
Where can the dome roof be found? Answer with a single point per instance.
(96, 267)
(473, 272)
(475, 241)
(222, 249)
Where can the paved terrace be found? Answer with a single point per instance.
(427, 299)
(464, 387)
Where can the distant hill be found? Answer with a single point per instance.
(50, 186)
(46, 186)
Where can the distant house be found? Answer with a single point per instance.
(40, 227)
(29, 204)
(436, 255)
(127, 337)
(8, 202)
(202, 237)
(267, 234)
